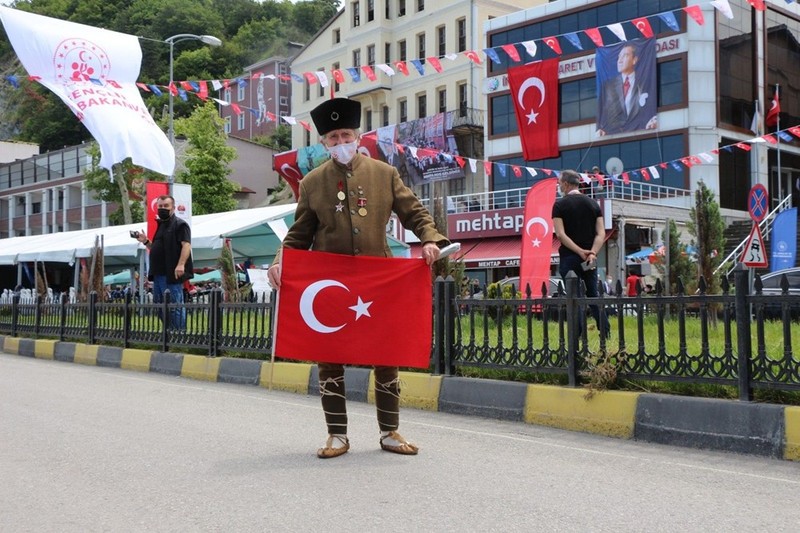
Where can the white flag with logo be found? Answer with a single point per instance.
(94, 71)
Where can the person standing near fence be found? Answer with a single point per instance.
(343, 207)
(170, 258)
(578, 224)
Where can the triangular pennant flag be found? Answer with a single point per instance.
(530, 47)
(473, 165)
(531, 171)
(322, 77)
(696, 13)
(706, 157)
(634, 174)
(140, 85)
(186, 85)
(759, 5)
(271, 116)
(338, 75)
(626, 179)
(784, 136)
(256, 75)
(305, 124)
(252, 111)
(676, 166)
(297, 78)
(402, 67)
(172, 88)
(435, 63)
(14, 83)
(386, 69)
(473, 56)
(654, 172)
(354, 74)
(553, 43)
(662, 165)
(451, 56)
(645, 174)
(419, 66)
(221, 102)
(574, 40)
(687, 161)
(517, 171)
(728, 148)
(715, 151)
(643, 25)
(289, 120)
(236, 108)
(502, 169)
(669, 19)
(547, 171)
(723, 7)
(241, 82)
(491, 53)
(216, 85)
(512, 52)
(594, 35)
(460, 161)
(183, 94)
(369, 72)
(203, 92)
(743, 146)
(794, 130)
(617, 30)
(770, 139)
(487, 167)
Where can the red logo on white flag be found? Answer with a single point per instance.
(534, 88)
(354, 310)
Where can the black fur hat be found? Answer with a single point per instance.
(336, 114)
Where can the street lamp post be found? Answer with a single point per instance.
(207, 39)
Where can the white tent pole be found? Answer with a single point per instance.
(274, 335)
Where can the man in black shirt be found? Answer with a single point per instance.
(578, 224)
(170, 258)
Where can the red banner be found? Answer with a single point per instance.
(354, 309)
(154, 190)
(537, 236)
(285, 164)
(537, 109)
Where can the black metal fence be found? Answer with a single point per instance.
(734, 338)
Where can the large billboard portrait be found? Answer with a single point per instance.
(626, 87)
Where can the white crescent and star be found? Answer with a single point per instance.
(537, 220)
(527, 84)
(307, 306)
(287, 169)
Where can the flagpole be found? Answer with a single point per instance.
(778, 126)
(274, 336)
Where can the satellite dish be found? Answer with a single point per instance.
(614, 166)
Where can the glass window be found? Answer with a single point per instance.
(420, 5)
(402, 49)
(388, 12)
(356, 15)
(502, 113)
(228, 124)
(670, 82)
(461, 24)
(337, 36)
(403, 109)
(385, 116)
(421, 46)
(401, 8)
(387, 53)
(371, 55)
(370, 10)
(240, 121)
(578, 100)
(357, 58)
(441, 39)
(462, 98)
(368, 119)
(442, 100)
(422, 106)
(240, 91)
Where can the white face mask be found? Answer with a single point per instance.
(344, 153)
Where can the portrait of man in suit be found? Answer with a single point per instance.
(626, 79)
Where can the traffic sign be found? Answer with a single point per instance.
(757, 202)
(754, 255)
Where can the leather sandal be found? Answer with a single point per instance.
(404, 448)
(329, 451)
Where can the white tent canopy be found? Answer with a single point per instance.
(252, 234)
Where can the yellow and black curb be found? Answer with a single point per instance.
(760, 429)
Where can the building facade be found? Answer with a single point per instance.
(383, 32)
(711, 78)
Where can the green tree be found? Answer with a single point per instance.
(681, 266)
(312, 15)
(45, 120)
(707, 228)
(280, 140)
(207, 160)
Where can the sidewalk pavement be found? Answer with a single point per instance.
(753, 428)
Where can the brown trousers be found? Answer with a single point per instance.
(332, 393)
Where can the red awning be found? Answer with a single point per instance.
(488, 253)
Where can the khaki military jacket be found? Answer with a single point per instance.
(354, 222)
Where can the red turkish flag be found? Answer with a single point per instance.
(360, 310)
(643, 25)
(594, 35)
(774, 110)
(368, 145)
(758, 4)
(553, 43)
(153, 190)
(537, 236)
(537, 110)
(696, 13)
(285, 164)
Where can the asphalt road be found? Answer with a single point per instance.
(92, 449)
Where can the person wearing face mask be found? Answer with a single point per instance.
(170, 257)
(344, 206)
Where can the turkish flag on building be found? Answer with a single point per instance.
(285, 164)
(359, 310)
(154, 189)
(774, 110)
(537, 237)
(534, 89)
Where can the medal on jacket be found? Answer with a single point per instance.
(340, 195)
(362, 203)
